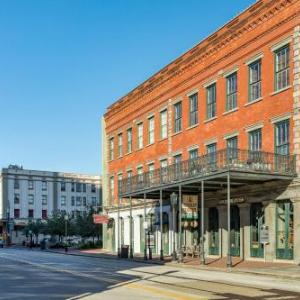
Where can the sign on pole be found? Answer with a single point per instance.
(264, 234)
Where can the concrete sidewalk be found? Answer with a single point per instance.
(282, 270)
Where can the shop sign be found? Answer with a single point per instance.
(264, 234)
(189, 204)
(100, 219)
(233, 201)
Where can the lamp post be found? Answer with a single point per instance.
(30, 234)
(7, 226)
(66, 232)
(174, 200)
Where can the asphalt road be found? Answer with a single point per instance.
(34, 274)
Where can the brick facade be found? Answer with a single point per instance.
(256, 34)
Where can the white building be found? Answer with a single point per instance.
(31, 194)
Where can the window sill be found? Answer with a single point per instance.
(161, 140)
(176, 133)
(128, 153)
(254, 101)
(230, 111)
(149, 145)
(210, 120)
(191, 127)
(281, 90)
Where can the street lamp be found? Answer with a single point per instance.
(7, 226)
(30, 234)
(66, 232)
(174, 200)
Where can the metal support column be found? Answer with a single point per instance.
(119, 233)
(145, 229)
(180, 256)
(130, 230)
(202, 258)
(229, 259)
(161, 226)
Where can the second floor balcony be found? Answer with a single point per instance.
(235, 160)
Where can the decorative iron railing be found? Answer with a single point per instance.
(221, 160)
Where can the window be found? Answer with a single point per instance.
(84, 201)
(111, 149)
(193, 154)
(255, 80)
(164, 163)
(255, 140)
(151, 172)
(63, 201)
(17, 199)
(163, 124)
(120, 144)
(140, 129)
(177, 159)
(78, 187)
(30, 213)
(193, 100)
(178, 117)
(78, 201)
(211, 101)
(44, 200)
(30, 199)
(30, 184)
(129, 140)
(72, 187)
(44, 185)
(232, 146)
(151, 130)
(44, 214)
(140, 174)
(84, 187)
(129, 173)
(282, 145)
(16, 213)
(231, 91)
(73, 201)
(16, 183)
(63, 186)
(211, 150)
(112, 186)
(120, 177)
(282, 68)
(93, 188)
(151, 167)
(94, 201)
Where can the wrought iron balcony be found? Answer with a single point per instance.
(219, 161)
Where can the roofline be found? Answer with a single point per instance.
(257, 3)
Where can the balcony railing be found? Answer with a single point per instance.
(222, 160)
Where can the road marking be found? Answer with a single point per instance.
(79, 296)
(164, 292)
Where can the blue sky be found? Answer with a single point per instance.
(62, 62)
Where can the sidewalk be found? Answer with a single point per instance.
(282, 270)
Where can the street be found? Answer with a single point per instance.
(32, 274)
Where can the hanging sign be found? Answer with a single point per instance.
(189, 204)
(151, 240)
(100, 219)
(232, 201)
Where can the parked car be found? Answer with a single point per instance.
(1, 243)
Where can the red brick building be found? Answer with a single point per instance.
(220, 122)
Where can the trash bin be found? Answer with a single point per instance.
(124, 251)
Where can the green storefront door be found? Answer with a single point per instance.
(284, 230)
(142, 235)
(256, 221)
(213, 231)
(235, 231)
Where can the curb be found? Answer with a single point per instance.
(177, 265)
